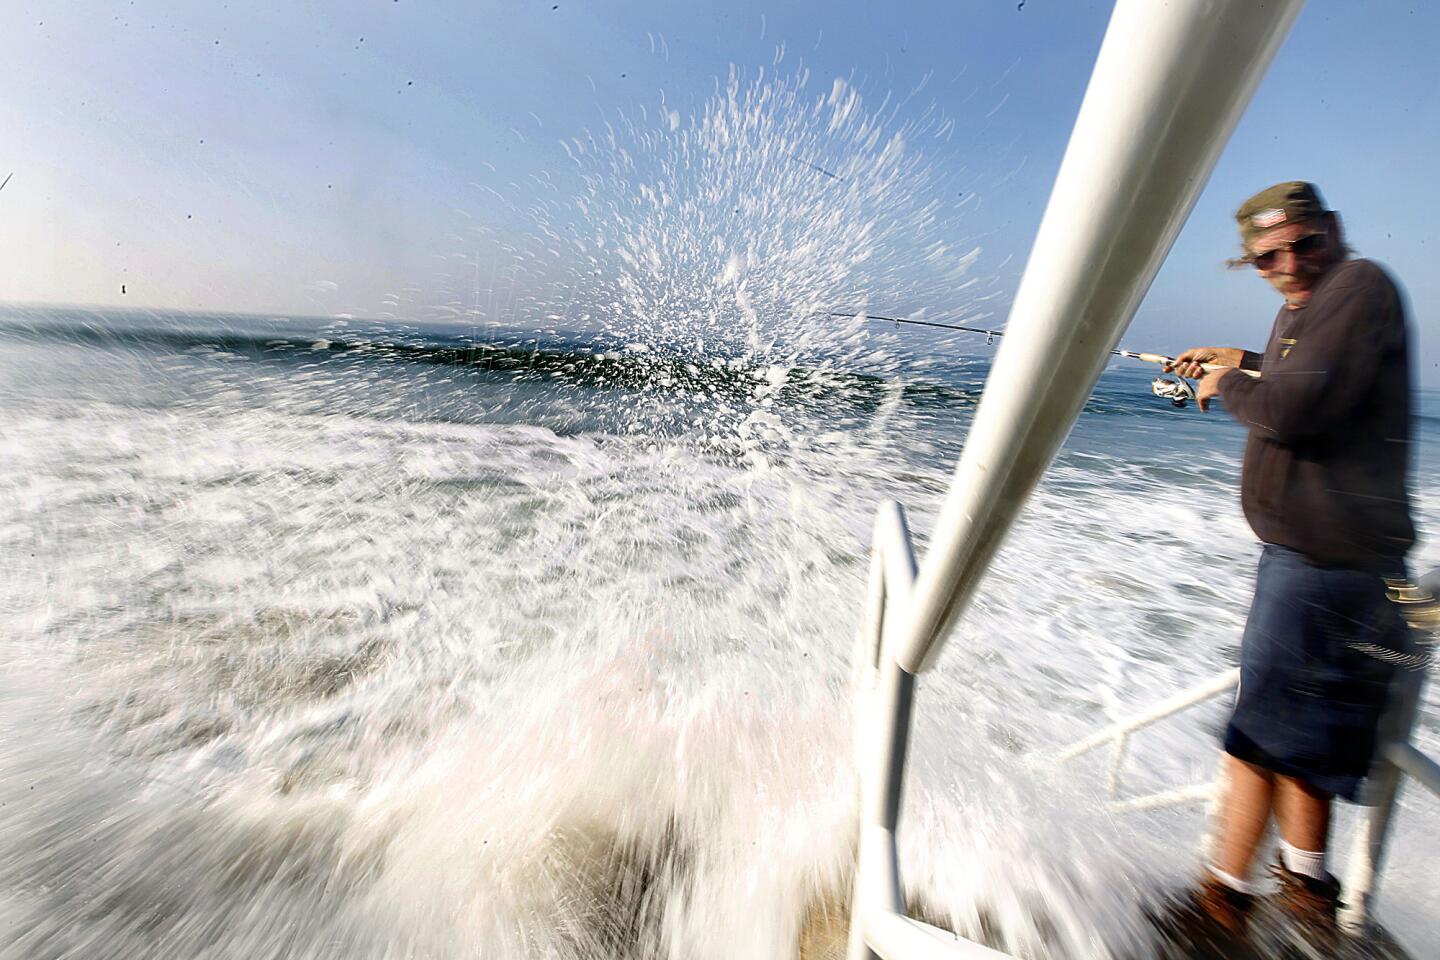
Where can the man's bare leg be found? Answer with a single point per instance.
(1216, 908)
(1244, 814)
(1302, 814)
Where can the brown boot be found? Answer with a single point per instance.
(1224, 906)
(1305, 897)
(1308, 903)
(1207, 921)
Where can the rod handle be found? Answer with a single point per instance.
(1207, 367)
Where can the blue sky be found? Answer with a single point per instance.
(359, 157)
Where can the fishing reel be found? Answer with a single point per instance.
(1177, 391)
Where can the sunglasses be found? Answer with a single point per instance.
(1310, 243)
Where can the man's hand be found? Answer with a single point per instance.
(1208, 387)
(1191, 363)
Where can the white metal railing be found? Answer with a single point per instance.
(1408, 759)
(1119, 735)
(1397, 757)
(1170, 82)
(884, 692)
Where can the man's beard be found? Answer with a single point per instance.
(1302, 280)
(1286, 282)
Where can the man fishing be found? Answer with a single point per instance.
(1324, 486)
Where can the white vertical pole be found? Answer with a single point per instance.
(886, 693)
(1367, 853)
(877, 869)
(1170, 83)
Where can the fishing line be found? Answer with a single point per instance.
(1178, 391)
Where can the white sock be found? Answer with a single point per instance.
(1230, 880)
(1307, 863)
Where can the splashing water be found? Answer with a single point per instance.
(732, 235)
(727, 238)
(327, 685)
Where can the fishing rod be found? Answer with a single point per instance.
(817, 168)
(1178, 391)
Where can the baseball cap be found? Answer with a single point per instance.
(1274, 206)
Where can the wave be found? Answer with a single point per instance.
(566, 356)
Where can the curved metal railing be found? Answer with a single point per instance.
(1169, 85)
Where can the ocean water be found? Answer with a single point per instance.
(327, 639)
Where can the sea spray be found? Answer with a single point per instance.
(295, 638)
(726, 237)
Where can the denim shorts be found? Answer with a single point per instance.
(1314, 674)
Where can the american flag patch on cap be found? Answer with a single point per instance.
(1268, 218)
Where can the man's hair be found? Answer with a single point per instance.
(1338, 246)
